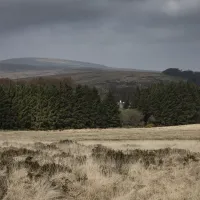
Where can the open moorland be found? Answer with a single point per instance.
(81, 72)
(114, 164)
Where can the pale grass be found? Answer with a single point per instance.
(187, 132)
(20, 188)
(172, 180)
(191, 145)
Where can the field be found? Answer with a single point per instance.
(114, 164)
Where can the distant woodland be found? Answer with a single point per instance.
(188, 74)
(48, 104)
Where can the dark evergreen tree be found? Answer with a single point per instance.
(80, 108)
(40, 105)
(11, 118)
(4, 108)
(110, 112)
(171, 104)
(135, 98)
(64, 105)
(126, 104)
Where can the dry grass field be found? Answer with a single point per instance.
(114, 164)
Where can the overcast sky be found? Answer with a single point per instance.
(139, 34)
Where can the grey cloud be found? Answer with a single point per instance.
(21, 14)
(123, 15)
(114, 32)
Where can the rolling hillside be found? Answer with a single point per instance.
(32, 67)
(81, 72)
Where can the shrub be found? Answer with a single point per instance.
(150, 125)
(131, 117)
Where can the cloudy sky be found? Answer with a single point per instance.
(139, 34)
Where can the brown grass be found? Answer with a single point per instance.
(191, 145)
(68, 170)
(37, 166)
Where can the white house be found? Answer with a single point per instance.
(121, 104)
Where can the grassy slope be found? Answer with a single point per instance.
(82, 72)
(96, 77)
(117, 77)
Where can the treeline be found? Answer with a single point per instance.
(40, 106)
(168, 104)
(188, 74)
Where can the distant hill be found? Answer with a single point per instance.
(17, 68)
(91, 74)
(49, 63)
